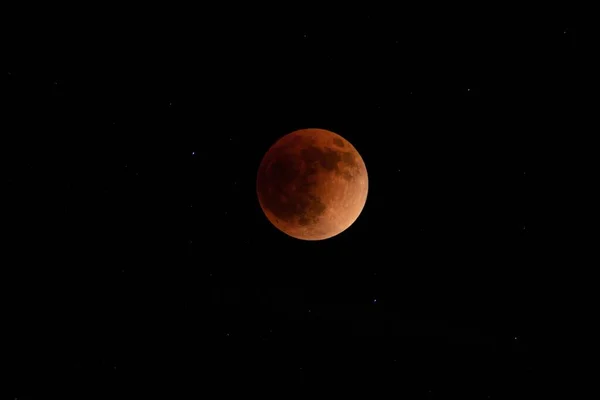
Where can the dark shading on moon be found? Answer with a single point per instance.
(312, 184)
(338, 142)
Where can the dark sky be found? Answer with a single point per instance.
(143, 263)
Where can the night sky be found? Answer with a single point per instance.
(142, 263)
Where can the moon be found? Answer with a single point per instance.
(312, 184)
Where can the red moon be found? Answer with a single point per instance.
(312, 184)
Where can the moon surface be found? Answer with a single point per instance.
(312, 184)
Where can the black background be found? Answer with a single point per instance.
(141, 261)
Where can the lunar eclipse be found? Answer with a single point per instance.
(312, 184)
